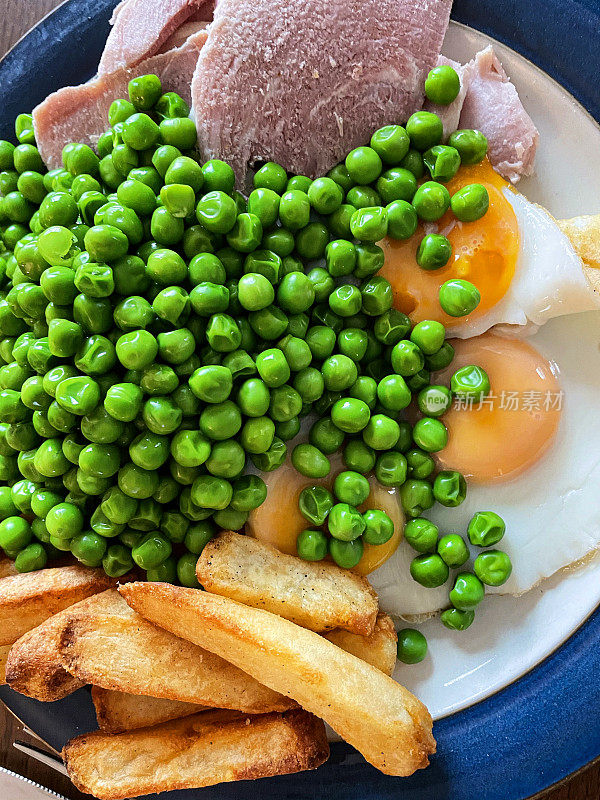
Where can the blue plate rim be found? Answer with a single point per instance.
(568, 739)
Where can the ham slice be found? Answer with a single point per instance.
(302, 82)
(141, 27)
(80, 113)
(492, 106)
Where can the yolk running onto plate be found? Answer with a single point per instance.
(507, 432)
(483, 252)
(278, 520)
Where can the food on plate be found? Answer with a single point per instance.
(118, 712)
(141, 29)
(203, 750)
(378, 648)
(492, 105)
(107, 644)
(7, 567)
(34, 666)
(526, 269)
(28, 599)
(384, 721)
(584, 233)
(317, 596)
(360, 66)
(80, 112)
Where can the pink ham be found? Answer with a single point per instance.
(492, 106)
(141, 27)
(80, 113)
(302, 82)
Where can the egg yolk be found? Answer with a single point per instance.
(507, 432)
(484, 252)
(278, 520)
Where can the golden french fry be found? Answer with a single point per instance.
(34, 667)
(118, 712)
(117, 649)
(319, 596)
(28, 599)
(4, 651)
(378, 649)
(203, 750)
(380, 718)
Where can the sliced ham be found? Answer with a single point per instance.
(80, 113)
(302, 82)
(450, 115)
(141, 27)
(492, 106)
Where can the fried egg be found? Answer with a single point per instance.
(526, 268)
(550, 503)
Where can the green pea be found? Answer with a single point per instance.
(325, 195)
(369, 224)
(424, 129)
(321, 341)
(393, 393)
(416, 496)
(136, 482)
(315, 503)
(339, 221)
(339, 373)
(31, 558)
(186, 571)
(433, 401)
(257, 434)
(381, 432)
(296, 351)
(443, 162)
(353, 342)
(311, 545)
(340, 257)
(458, 298)
(391, 143)
(429, 570)
(377, 296)
(273, 367)
(470, 203)
(162, 415)
(322, 283)
(453, 550)
(421, 535)
(364, 165)
(310, 461)
(271, 176)
(249, 492)
(467, 593)
(472, 145)
(288, 430)
(312, 240)
(346, 554)
(253, 397)
(350, 415)
(457, 620)
(470, 382)
(412, 646)
(391, 326)
(434, 251)
(365, 388)
(246, 234)
(179, 132)
(391, 469)
(493, 567)
(326, 436)
(264, 204)
(151, 551)
(486, 528)
(431, 201)
(123, 401)
(407, 359)
(227, 459)
(220, 421)
(441, 359)
(211, 492)
(442, 85)
(351, 488)
(358, 456)
(346, 300)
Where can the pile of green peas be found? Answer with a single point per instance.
(348, 528)
(160, 333)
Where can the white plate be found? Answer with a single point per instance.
(511, 635)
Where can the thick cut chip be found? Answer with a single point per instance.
(203, 750)
(380, 718)
(378, 649)
(121, 711)
(117, 649)
(318, 596)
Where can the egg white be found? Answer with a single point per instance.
(549, 279)
(551, 511)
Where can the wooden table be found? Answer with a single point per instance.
(17, 17)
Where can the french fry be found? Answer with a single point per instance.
(203, 750)
(113, 647)
(29, 599)
(378, 649)
(380, 718)
(319, 596)
(4, 651)
(118, 712)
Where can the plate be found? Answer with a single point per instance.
(542, 726)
